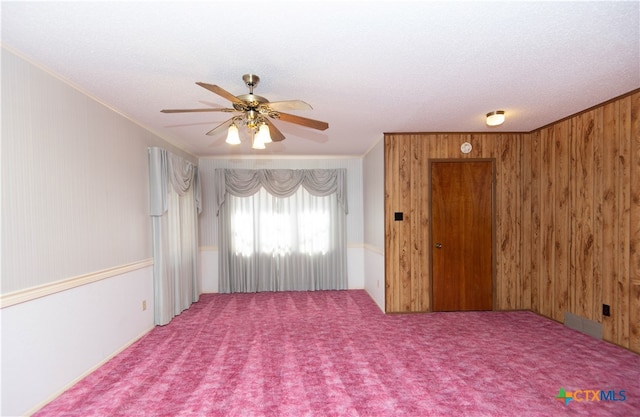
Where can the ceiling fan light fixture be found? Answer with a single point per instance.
(233, 136)
(255, 113)
(257, 143)
(495, 118)
(264, 135)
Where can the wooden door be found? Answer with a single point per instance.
(461, 235)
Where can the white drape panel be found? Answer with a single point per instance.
(282, 230)
(174, 207)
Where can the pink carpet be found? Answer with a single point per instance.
(334, 353)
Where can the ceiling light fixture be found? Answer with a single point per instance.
(233, 136)
(257, 143)
(495, 118)
(264, 135)
(257, 127)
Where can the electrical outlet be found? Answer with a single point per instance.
(606, 310)
(144, 305)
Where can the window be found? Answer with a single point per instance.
(270, 225)
(281, 230)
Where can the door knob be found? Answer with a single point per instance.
(438, 245)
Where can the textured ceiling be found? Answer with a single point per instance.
(366, 67)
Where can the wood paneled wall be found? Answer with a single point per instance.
(567, 217)
(407, 242)
(583, 247)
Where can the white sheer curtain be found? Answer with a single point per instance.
(282, 230)
(174, 207)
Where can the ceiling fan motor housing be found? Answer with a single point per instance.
(251, 80)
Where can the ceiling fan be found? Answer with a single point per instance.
(255, 113)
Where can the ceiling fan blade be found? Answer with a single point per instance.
(220, 127)
(195, 110)
(276, 135)
(220, 91)
(314, 124)
(289, 105)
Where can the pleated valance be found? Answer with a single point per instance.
(168, 169)
(281, 183)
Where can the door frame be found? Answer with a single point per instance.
(493, 223)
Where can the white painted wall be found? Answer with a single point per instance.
(208, 269)
(373, 217)
(374, 273)
(74, 179)
(51, 342)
